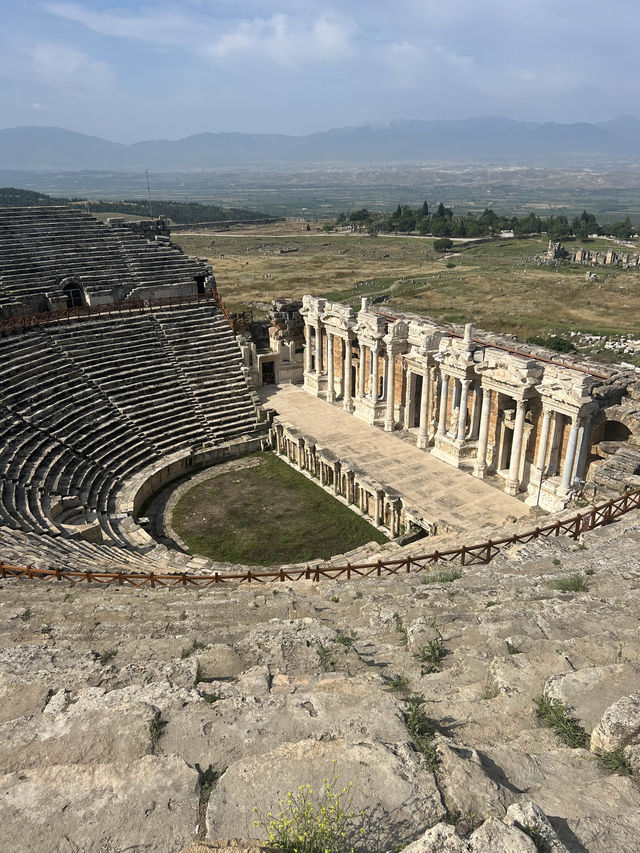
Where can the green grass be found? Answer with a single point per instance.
(570, 583)
(615, 762)
(553, 715)
(430, 656)
(445, 576)
(493, 284)
(266, 515)
(422, 732)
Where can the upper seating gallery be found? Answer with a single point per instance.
(53, 258)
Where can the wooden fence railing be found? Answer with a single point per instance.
(466, 555)
(25, 322)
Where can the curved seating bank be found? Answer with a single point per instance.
(98, 413)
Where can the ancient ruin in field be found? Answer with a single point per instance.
(153, 697)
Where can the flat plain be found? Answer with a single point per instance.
(495, 284)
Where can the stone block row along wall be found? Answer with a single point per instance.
(52, 258)
(87, 404)
(381, 503)
(525, 415)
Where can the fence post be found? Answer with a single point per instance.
(408, 562)
(577, 527)
(463, 554)
(379, 568)
(152, 578)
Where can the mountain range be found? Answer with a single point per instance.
(466, 140)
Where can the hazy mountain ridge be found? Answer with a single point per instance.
(468, 140)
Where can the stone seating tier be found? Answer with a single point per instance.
(41, 246)
(86, 405)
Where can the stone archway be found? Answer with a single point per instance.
(73, 292)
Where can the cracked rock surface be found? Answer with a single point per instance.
(160, 719)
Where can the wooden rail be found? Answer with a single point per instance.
(26, 322)
(466, 555)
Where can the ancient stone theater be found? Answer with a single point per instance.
(469, 680)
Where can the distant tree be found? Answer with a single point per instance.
(443, 244)
(425, 209)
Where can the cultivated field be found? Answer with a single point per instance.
(495, 285)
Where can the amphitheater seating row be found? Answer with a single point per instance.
(88, 403)
(40, 246)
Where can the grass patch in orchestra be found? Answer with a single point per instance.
(267, 515)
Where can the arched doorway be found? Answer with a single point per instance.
(616, 431)
(73, 292)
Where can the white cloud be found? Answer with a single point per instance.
(57, 65)
(282, 38)
(37, 106)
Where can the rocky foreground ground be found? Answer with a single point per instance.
(152, 720)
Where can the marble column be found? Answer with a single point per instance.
(583, 449)
(331, 385)
(348, 391)
(308, 367)
(513, 479)
(361, 371)
(569, 459)
(462, 415)
(543, 444)
(374, 373)
(444, 399)
(424, 396)
(483, 437)
(318, 349)
(390, 373)
(477, 408)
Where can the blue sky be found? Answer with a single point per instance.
(139, 70)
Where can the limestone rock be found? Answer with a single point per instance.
(464, 784)
(526, 813)
(591, 690)
(619, 726)
(149, 804)
(219, 662)
(407, 802)
(441, 838)
(496, 837)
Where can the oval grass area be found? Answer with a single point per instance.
(265, 515)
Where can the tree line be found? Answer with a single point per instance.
(443, 223)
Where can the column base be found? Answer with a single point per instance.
(331, 398)
(422, 442)
(348, 405)
(389, 426)
(480, 471)
(512, 487)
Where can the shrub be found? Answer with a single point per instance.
(305, 826)
(442, 244)
(430, 656)
(107, 655)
